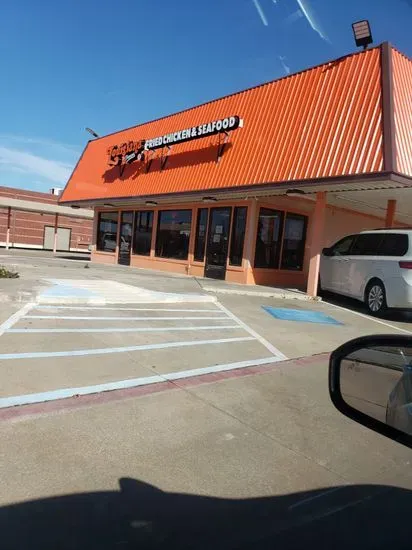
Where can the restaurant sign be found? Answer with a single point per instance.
(130, 151)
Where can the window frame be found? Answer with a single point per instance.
(233, 233)
(196, 236)
(305, 220)
(99, 215)
(282, 215)
(158, 231)
(135, 214)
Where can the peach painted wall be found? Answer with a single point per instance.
(339, 223)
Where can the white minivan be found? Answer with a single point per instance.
(372, 266)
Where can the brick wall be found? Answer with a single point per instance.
(27, 228)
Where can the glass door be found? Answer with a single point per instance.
(218, 242)
(125, 238)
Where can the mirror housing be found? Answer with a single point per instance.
(370, 381)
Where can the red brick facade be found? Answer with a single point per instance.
(27, 228)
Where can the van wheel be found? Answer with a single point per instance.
(375, 297)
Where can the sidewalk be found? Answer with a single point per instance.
(39, 273)
(223, 287)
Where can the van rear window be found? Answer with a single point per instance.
(394, 244)
(366, 244)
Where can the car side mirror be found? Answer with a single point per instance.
(327, 252)
(370, 381)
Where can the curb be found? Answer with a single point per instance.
(263, 294)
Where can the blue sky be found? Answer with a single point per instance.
(109, 65)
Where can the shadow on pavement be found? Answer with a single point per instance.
(396, 316)
(142, 516)
(83, 258)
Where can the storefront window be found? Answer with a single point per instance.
(268, 238)
(143, 228)
(293, 249)
(238, 235)
(107, 231)
(173, 234)
(200, 241)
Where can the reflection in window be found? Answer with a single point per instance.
(107, 231)
(268, 238)
(143, 227)
(342, 247)
(293, 249)
(200, 241)
(173, 234)
(238, 235)
(394, 244)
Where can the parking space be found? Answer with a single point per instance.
(297, 338)
(50, 351)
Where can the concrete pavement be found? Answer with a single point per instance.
(197, 456)
(225, 464)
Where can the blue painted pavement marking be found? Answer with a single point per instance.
(301, 315)
(61, 290)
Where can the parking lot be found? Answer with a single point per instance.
(83, 349)
(225, 397)
(49, 352)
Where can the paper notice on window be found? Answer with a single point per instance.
(294, 230)
(219, 229)
(216, 238)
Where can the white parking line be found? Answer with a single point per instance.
(256, 336)
(113, 329)
(15, 318)
(369, 318)
(102, 308)
(103, 351)
(131, 383)
(97, 318)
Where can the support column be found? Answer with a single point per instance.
(316, 243)
(95, 230)
(390, 213)
(250, 240)
(56, 222)
(8, 228)
(192, 239)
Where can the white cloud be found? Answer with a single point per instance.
(35, 142)
(309, 14)
(35, 165)
(285, 67)
(260, 12)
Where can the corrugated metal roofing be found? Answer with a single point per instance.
(402, 98)
(323, 122)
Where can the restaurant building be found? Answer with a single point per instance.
(250, 187)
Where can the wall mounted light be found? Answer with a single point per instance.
(74, 206)
(109, 205)
(362, 33)
(209, 199)
(151, 203)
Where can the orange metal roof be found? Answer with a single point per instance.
(402, 98)
(322, 122)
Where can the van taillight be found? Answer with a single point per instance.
(405, 265)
